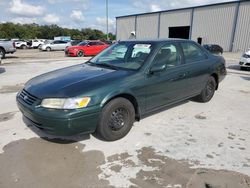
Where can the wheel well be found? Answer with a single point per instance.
(132, 99)
(216, 79)
(2, 48)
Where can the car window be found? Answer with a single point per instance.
(92, 43)
(99, 43)
(55, 42)
(192, 53)
(83, 44)
(124, 55)
(167, 55)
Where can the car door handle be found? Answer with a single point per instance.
(180, 76)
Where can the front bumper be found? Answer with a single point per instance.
(60, 122)
(70, 53)
(244, 62)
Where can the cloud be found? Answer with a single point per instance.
(51, 19)
(101, 24)
(154, 8)
(77, 16)
(24, 9)
(102, 21)
(78, 3)
(24, 20)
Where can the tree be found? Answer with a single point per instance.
(30, 31)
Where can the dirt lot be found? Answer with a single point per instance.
(191, 145)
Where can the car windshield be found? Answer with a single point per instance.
(124, 55)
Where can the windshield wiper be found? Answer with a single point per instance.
(107, 65)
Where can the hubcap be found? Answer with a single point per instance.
(80, 54)
(118, 119)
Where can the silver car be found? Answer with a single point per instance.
(245, 60)
(55, 45)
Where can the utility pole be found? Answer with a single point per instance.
(107, 19)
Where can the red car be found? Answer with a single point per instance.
(86, 48)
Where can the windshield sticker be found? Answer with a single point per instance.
(142, 46)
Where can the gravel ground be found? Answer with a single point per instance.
(190, 145)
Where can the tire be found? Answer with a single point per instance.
(2, 53)
(116, 119)
(80, 53)
(48, 49)
(208, 92)
(23, 47)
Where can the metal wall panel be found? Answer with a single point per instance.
(242, 33)
(173, 19)
(214, 24)
(147, 26)
(124, 27)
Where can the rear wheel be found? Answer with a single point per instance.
(208, 92)
(116, 120)
(2, 53)
(80, 53)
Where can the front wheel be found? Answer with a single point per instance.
(116, 120)
(208, 92)
(80, 53)
(24, 47)
(48, 49)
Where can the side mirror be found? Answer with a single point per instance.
(157, 68)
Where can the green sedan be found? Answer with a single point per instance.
(121, 85)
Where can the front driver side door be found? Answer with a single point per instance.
(169, 84)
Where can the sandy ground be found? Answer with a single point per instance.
(191, 145)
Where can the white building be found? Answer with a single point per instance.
(226, 24)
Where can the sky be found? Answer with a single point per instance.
(85, 13)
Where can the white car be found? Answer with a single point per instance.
(21, 44)
(245, 60)
(55, 45)
(36, 43)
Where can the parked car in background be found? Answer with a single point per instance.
(214, 48)
(55, 45)
(21, 44)
(111, 91)
(86, 48)
(245, 60)
(36, 43)
(6, 46)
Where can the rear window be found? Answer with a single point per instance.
(192, 53)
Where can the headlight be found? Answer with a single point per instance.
(66, 103)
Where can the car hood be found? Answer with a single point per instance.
(71, 81)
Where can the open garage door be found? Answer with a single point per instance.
(179, 32)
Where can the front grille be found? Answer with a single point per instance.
(27, 97)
